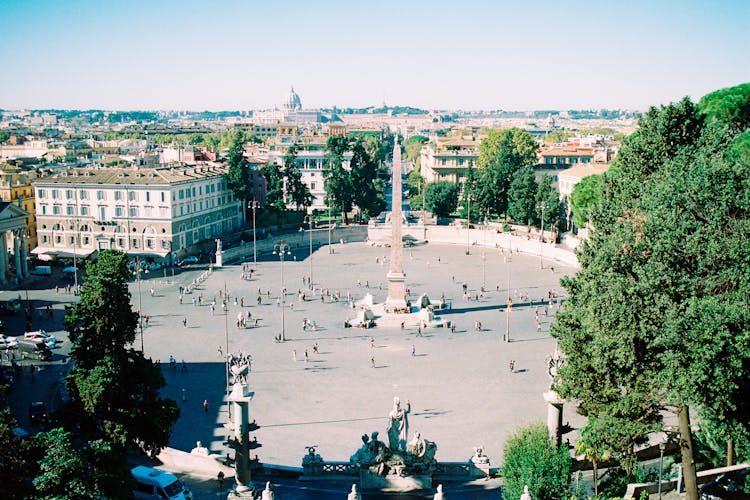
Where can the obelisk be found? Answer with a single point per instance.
(396, 300)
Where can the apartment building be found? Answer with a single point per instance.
(16, 188)
(159, 213)
(447, 158)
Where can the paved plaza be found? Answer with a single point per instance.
(461, 389)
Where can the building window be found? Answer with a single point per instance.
(83, 195)
(44, 238)
(134, 243)
(58, 239)
(69, 210)
(84, 210)
(56, 209)
(42, 193)
(100, 195)
(132, 196)
(121, 242)
(44, 209)
(162, 196)
(102, 213)
(134, 211)
(149, 243)
(85, 240)
(118, 196)
(148, 196)
(119, 212)
(71, 241)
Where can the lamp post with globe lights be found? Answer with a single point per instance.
(282, 249)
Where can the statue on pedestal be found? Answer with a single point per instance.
(398, 425)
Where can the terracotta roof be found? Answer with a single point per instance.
(567, 151)
(582, 170)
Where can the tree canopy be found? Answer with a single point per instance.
(584, 197)
(660, 304)
(337, 181)
(501, 154)
(113, 387)
(297, 192)
(441, 197)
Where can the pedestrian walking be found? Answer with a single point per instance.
(307, 358)
(453, 327)
(372, 360)
(512, 365)
(183, 367)
(413, 350)
(315, 348)
(172, 362)
(294, 355)
(184, 322)
(205, 405)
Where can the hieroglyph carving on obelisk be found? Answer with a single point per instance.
(396, 278)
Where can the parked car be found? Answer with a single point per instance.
(8, 342)
(156, 484)
(49, 340)
(731, 485)
(190, 259)
(37, 413)
(10, 306)
(34, 349)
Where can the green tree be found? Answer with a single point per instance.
(501, 153)
(522, 196)
(70, 472)
(530, 458)
(4, 136)
(17, 459)
(274, 187)
(297, 192)
(729, 106)
(415, 183)
(114, 388)
(337, 180)
(584, 198)
(238, 174)
(441, 197)
(364, 176)
(659, 306)
(553, 207)
(470, 190)
(413, 147)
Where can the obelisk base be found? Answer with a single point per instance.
(396, 301)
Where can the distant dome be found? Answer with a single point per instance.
(291, 101)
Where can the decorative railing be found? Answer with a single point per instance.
(340, 469)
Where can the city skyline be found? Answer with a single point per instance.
(486, 55)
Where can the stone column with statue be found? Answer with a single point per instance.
(219, 254)
(554, 403)
(239, 398)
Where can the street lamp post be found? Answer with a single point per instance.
(541, 240)
(662, 446)
(484, 270)
(254, 205)
(282, 249)
(138, 270)
(468, 221)
(330, 227)
(510, 300)
(309, 219)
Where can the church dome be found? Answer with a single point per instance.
(291, 101)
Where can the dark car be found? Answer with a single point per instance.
(730, 485)
(37, 413)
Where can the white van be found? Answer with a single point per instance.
(153, 483)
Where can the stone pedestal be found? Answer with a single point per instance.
(240, 399)
(392, 482)
(219, 259)
(554, 415)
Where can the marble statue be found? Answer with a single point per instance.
(417, 446)
(525, 495)
(479, 456)
(239, 367)
(398, 425)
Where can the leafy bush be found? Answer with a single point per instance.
(530, 458)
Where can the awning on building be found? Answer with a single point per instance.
(49, 252)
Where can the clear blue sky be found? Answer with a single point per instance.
(232, 54)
